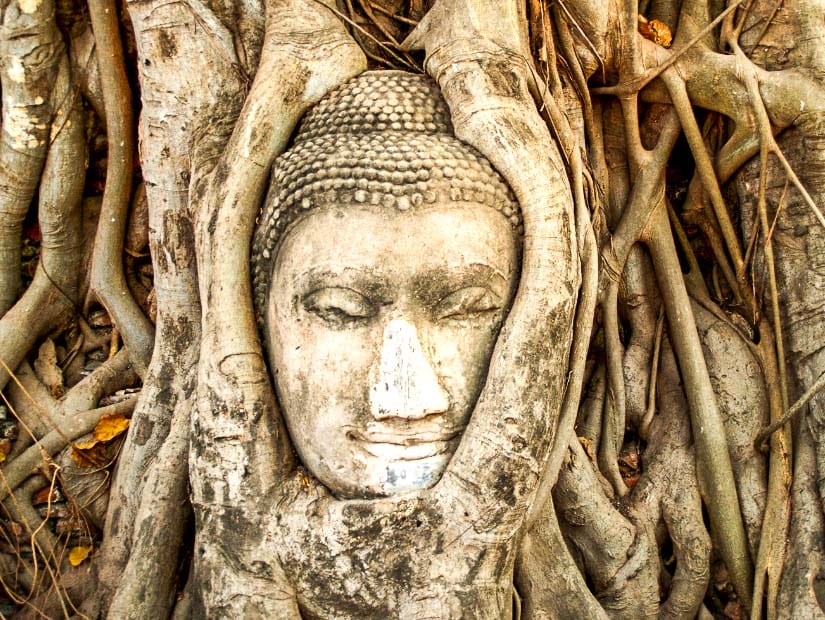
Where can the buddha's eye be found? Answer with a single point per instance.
(466, 303)
(338, 306)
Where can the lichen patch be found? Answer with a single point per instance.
(17, 71)
(21, 127)
(29, 6)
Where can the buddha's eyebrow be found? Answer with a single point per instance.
(368, 282)
(443, 280)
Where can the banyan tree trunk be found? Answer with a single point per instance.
(537, 513)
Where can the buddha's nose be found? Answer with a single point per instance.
(407, 386)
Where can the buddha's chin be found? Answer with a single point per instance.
(386, 477)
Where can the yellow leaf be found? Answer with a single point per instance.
(656, 31)
(587, 444)
(86, 445)
(110, 426)
(78, 554)
(2, 456)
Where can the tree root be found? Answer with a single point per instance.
(619, 554)
(713, 460)
(549, 581)
(797, 596)
(108, 281)
(40, 413)
(32, 404)
(645, 217)
(159, 527)
(770, 556)
(790, 414)
(31, 51)
(739, 385)
(114, 374)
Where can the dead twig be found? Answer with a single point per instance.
(790, 414)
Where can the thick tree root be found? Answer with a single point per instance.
(159, 527)
(108, 280)
(31, 51)
(619, 554)
(549, 581)
(743, 400)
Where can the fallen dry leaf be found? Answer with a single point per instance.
(110, 426)
(734, 610)
(46, 495)
(78, 554)
(89, 454)
(656, 31)
(588, 447)
(46, 368)
(92, 453)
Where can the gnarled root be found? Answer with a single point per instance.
(668, 492)
(548, 580)
(618, 553)
(108, 281)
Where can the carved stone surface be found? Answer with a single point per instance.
(384, 266)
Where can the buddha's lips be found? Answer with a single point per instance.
(394, 446)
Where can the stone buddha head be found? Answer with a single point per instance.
(384, 264)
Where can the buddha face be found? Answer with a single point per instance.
(380, 327)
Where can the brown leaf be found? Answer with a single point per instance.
(110, 426)
(588, 448)
(46, 495)
(46, 368)
(734, 610)
(89, 454)
(78, 554)
(656, 31)
(631, 481)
